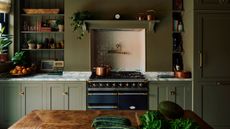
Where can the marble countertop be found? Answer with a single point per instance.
(66, 76)
(163, 76)
(84, 76)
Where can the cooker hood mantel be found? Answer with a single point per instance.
(122, 24)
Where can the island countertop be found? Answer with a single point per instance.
(81, 119)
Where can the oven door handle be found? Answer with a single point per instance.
(104, 107)
(132, 93)
(94, 94)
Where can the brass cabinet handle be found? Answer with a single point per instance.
(201, 59)
(65, 93)
(173, 92)
(22, 93)
(223, 83)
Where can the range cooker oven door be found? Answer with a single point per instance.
(133, 100)
(102, 100)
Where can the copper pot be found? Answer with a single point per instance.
(102, 70)
(182, 74)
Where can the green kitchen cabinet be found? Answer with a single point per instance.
(66, 95)
(9, 103)
(179, 92)
(32, 97)
(212, 4)
(212, 46)
(215, 105)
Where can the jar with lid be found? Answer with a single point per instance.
(150, 15)
(140, 16)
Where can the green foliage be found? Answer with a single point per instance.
(78, 22)
(20, 58)
(183, 124)
(60, 21)
(155, 120)
(5, 40)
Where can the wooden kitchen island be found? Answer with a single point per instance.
(67, 119)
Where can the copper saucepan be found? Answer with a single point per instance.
(102, 70)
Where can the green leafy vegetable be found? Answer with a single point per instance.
(155, 120)
(183, 124)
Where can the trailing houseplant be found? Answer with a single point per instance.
(78, 22)
(5, 41)
(60, 24)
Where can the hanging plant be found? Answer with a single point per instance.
(78, 22)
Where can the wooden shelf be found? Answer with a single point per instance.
(32, 32)
(123, 24)
(29, 15)
(43, 49)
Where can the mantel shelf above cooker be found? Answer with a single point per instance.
(122, 24)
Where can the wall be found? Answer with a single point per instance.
(121, 49)
(159, 43)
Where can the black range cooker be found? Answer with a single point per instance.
(118, 91)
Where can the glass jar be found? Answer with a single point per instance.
(140, 16)
(150, 15)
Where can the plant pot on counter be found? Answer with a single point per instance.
(31, 45)
(6, 66)
(3, 57)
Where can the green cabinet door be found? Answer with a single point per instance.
(66, 95)
(32, 97)
(75, 97)
(56, 95)
(179, 92)
(215, 104)
(212, 46)
(212, 4)
(9, 103)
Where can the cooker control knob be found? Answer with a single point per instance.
(140, 84)
(107, 84)
(94, 85)
(113, 84)
(133, 84)
(120, 84)
(127, 84)
(100, 84)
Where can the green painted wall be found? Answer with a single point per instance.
(158, 45)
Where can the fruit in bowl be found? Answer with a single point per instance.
(20, 70)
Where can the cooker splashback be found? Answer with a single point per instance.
(123, 49)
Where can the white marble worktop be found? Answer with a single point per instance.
(66, 76)
(84, 76)
(163, 76)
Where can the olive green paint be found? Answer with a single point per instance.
(158, 45)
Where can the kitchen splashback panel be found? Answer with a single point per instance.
(123, 49)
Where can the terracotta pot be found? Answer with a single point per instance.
(3, 57)
(31, 45)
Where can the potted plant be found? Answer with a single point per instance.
(5, 41)
(78, 22)
(31, 44)
(39, 45)
(60, 24)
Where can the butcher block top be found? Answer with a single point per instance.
(69, 119)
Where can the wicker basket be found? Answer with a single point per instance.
(41, 11)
